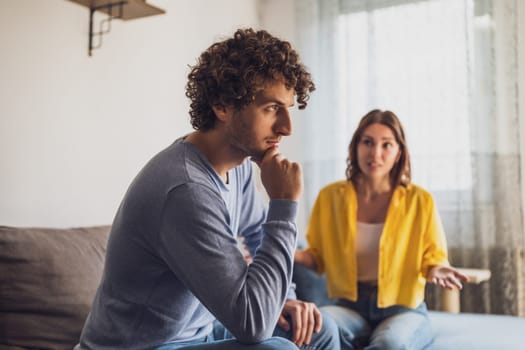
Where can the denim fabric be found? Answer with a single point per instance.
(363, 325)
(326, 339)
(211, 343)
(221, 339)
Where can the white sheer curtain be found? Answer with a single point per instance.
(448, 69)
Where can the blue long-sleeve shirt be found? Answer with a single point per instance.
(173, 265)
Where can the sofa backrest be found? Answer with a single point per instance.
(48, 278)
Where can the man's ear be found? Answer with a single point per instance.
(222, 113)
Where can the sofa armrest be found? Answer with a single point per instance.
(450, 298)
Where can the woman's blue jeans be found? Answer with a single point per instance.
(362, 325)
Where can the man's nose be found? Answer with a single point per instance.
(283, 125)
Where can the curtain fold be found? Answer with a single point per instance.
(448, 69)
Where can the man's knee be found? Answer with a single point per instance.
(330, 327)
(328, 336)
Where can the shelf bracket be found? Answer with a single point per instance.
(105, 24)
(121, 9)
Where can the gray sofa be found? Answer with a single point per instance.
(48, 278)
(462, 331)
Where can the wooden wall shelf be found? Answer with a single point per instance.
(132, 8)
(119, 9)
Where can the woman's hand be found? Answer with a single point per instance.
(302, 257)
(446, 277)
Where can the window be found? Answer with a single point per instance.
(414, 58)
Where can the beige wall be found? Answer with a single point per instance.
(74, 130)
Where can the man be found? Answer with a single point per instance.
(174, 276)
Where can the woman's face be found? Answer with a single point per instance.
(377, 152)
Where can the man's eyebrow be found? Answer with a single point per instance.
(276, 101)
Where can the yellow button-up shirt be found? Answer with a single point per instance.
(412, 241)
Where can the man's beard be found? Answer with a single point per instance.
(242, 139)
(242, 144)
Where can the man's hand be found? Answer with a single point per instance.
(281, 178)
(306, 319)
(446, 277)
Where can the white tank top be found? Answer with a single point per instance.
(367, 250)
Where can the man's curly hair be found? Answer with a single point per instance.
(232, 72)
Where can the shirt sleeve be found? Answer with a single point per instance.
(435, 252)
(196, 242)
(253, 216)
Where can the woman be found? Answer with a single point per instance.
(378, 238)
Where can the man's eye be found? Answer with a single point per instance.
(273, 108)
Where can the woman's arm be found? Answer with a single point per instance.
(303, 257)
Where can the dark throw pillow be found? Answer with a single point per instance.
(48, 278)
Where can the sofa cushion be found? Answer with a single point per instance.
(467, 331)
(48, 278)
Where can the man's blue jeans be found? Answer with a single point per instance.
(326, 339)
(209, 343)
(362, 325)
(221, 339)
